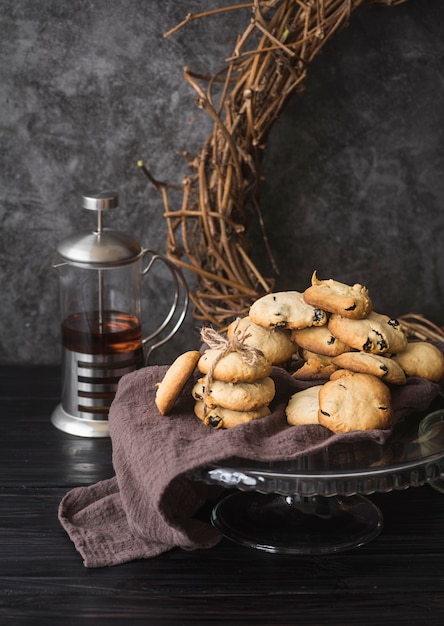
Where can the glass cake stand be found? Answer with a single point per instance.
(316, 503)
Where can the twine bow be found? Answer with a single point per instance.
(217, 341)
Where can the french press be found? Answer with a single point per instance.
(100, 274)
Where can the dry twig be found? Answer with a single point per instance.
(419, 327)
(270, 61)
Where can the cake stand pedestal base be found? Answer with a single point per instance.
(296, 524)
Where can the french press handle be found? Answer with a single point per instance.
(178, 309)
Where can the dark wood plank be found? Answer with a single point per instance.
(33, 451)
(396, 575)
(29, 381)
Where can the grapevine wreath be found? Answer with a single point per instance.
(207, 234)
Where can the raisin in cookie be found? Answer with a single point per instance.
(168, 390)
(330, 295)
(422, 359)
(376, 333)
(353, 401)
(232, 367)
(219, 417)
(285, 309)
(276, 344)
(367, 363)
(320, 340)
(235, 396)
(303, 407)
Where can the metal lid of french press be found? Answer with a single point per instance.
(102, 247)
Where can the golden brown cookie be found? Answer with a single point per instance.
(235, 396)
(315, 367)
(320, 340)
(276, 344)
(367, 363)
(285, 309)
(353, 401)
(376, 333)
(233, 367)
(423, 359)
(175, 378)
(331, 295)
(303, 407)
(219, 417)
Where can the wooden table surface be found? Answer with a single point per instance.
(398, 578)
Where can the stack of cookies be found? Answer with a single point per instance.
(341, 338)
(236, 386)
(351, 355)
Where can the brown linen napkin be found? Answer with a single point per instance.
(149, 506)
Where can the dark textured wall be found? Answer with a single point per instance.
(354, 170)
(355, 166)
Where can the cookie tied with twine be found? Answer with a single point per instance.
(217, 341)
(230, 360)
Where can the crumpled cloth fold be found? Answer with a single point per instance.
(150, 505)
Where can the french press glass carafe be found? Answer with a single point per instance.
(100, 276)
